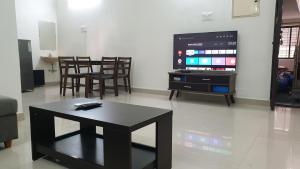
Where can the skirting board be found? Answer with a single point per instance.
(167, 93)
(204, 96)
(51, 83)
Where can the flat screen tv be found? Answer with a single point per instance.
(206, 51)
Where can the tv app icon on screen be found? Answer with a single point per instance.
(205, 61)
(192, 61)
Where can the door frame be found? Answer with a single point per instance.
(276, 46)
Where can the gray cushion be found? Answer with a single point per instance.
(8, 128)
(8, 106)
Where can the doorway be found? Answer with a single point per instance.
(285, 87)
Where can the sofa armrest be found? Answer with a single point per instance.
(8, 128)
(8, 106)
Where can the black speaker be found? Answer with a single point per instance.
(39, 77)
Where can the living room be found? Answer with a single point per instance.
(67, 45)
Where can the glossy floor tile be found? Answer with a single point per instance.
(206, 135)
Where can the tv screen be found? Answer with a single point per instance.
(206, 51)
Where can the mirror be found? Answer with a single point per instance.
(47, 31)
(244, 8)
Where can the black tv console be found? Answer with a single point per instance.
(206, 82)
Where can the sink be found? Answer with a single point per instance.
(50, 60)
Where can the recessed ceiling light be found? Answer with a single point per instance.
(83, 4)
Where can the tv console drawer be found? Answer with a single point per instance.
(189, 87)
(208, 79)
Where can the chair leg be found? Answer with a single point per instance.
(8, 144)
(116, 88)
(125, 84)
(129, 85)
(60, 85)
(87, 86)
(91, 85)
(101, 89)
(78, 85)
(103, 86)
(64, 86)
(73, 92)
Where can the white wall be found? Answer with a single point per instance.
(10, 84)
(29, 13)
(144, 30)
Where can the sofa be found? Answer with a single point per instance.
(8, 120)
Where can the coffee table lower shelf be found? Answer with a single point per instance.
(78, 150)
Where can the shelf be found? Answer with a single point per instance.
(205, 93)
(179, 82)
(89, 148)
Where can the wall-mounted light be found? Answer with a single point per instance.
(83, 4)
(207, 15)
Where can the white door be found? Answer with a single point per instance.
(245, 8)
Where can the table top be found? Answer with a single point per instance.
(92, 62)
(116, 115)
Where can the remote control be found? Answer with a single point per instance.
(87, 105)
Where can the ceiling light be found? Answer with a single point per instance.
(83, 4)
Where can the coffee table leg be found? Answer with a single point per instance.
(87, 128)
(164, 142)
(117, 149)
(42, 128)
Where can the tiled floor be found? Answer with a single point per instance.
(207, 135)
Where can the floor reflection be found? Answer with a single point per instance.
(282, 119)
(206, 135)
(203, 141)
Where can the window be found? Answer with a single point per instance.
(289, 41)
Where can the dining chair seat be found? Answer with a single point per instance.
(94, 73)
(103, 76)
(74, 75)
(122, 75)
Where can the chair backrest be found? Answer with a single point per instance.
(86, 66)
(109, 65)
(62, 65)
(124, 65)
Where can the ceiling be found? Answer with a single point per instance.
(290, 10)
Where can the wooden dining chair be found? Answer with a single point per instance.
(72, 74)
(85, 68)
(108, 71)
(62, 67)
(124, 69)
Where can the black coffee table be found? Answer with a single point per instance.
(112, 150)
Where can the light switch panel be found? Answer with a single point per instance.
(243, 8)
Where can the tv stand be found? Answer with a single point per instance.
(206, 82)
(184, 71)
